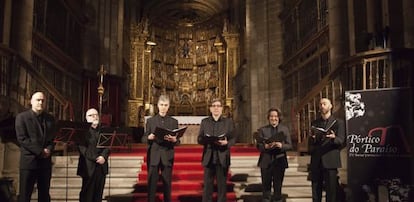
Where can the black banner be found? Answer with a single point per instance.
(380, 145)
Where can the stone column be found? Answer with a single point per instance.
(371, 16)
(7, 22)
(338, 31)
(408, 7)
(22, 28)
(339, 49)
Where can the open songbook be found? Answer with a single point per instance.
(279, 137)
(319, 130)
(211, 139)
(161, 132)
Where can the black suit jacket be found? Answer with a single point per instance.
(325, 152)
(216, 128)
(88, 152)
(275, 155)
(33, 138)
(159, 150)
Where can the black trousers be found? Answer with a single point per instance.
(327, 178)
(272, 174)
(27, 180)
(166, 176)
(92, 187)
(218, 172)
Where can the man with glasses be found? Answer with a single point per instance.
(93, 161)
(216, 135)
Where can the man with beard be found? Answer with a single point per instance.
(93, 161)
(325, 152)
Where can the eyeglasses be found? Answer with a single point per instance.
(215, 105)
(92, 114)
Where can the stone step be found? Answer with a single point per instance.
(256, 171)
(117, 161)
(73, 194)
(77, 182)
(124, 172)
(295, 184)
(287, 181)
(66, 185)
(113, 171)
(291, 192)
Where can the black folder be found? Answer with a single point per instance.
(161, 132)
(212, 139)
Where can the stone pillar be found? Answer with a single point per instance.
(22, 29)
(373, 22)
(351, 31)
(338, 32)
(117, 41)
(339, 49)
(7, 22)
(408, 7)
(371, 16)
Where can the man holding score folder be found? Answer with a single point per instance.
(160, 154)
(216, 150)
(273, 140)
(326, 140)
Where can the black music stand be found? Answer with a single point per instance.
(68, 133)
(106, 140)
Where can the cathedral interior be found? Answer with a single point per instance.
(121, 55)
(252, 55)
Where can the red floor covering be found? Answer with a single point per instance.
(187, 184)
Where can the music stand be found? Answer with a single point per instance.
(68, 133)
(106, 140)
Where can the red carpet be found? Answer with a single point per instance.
(187, 183)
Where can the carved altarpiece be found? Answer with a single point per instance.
(186, 64)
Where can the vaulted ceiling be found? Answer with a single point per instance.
(185, 12)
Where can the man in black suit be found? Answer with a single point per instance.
(325, 152)
(273, 141)
(93, 161)
(216, 135)
(160, 154)
(35, 130)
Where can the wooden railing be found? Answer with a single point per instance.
(19, 79)
(383, 68)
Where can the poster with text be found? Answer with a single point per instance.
(380, 143)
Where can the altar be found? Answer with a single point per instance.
(193, 127)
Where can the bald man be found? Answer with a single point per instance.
(35, 130)
(93, 162)
(325, 149)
